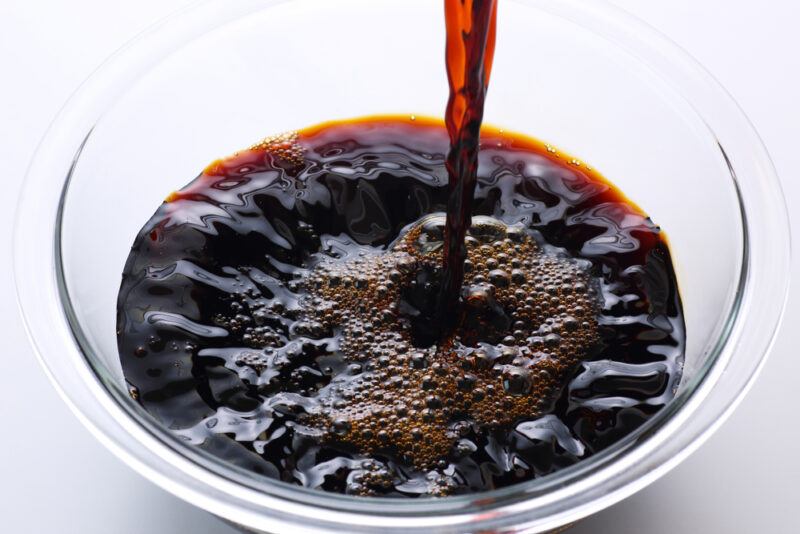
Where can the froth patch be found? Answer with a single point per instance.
(284, 146)
(528, 318)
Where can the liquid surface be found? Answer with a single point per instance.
(280, 313)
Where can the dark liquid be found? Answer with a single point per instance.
(471, 26)
(277, 312)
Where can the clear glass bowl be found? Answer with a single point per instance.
(218, 76)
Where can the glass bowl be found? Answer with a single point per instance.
(220, 75)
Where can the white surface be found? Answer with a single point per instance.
(55, 478)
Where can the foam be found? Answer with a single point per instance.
(529, 317)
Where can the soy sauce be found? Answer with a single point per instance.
(280, 312)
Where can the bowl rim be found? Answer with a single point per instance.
(606, 478)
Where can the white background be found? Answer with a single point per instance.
(54, 477)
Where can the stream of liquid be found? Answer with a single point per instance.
(471, 27)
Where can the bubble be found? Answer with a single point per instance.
(499, 277)
(466, 381)
(516, 381)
